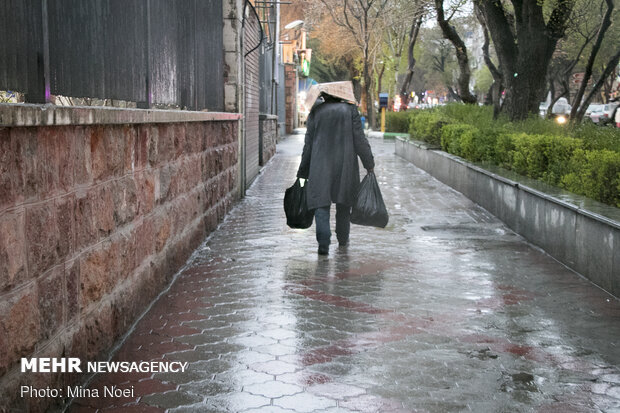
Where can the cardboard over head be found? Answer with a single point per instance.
(342, 90)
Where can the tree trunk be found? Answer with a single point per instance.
(461, 54)
(497, 94)
(609, 69)
(413, 37)
(524, 44)
(453, 93)
(496, 87)
(370, 112)
(380, 78)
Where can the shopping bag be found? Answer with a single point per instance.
(295, 207)
(369, 208)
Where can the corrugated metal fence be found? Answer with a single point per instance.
(152, 52)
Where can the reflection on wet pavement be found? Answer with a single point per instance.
(445, 310)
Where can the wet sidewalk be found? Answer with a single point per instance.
(444, 310)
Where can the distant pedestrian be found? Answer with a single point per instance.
(334, 139)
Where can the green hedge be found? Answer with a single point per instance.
(588, 166)
(397, 122)
(595, 174)
(426, 125)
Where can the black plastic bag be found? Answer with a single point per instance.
(369, 208)
(295, 207)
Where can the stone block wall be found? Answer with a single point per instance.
(585, 240)
(95, 219)
(268, 137)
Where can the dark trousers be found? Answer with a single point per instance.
(343, 224)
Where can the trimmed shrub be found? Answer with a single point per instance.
(504, 149)
(469, 142)
(425, 125)
(584, 160)
(538, 156)
(397, 122)
(595, 174)
(457, 138)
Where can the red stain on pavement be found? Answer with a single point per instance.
(325, 354)
(337, 301)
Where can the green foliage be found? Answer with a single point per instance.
(458, 139)
(595, 174)
(397, 122)
(483, 81)
(543, 157)
(584, 160)
(596, 137)
(325, 68)
(426, 125)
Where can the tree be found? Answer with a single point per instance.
(396, 22)
(498, 84)
(437, 62)
(578, 110)
(328, 66)
(525, 36)
(413, 37)
(582, 27)
(362, 20)
(450, 33)
(402, 21)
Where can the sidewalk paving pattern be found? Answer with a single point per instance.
(444, 310)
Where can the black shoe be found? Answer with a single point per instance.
(323, 250)
(343, 244)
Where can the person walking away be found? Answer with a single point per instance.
(334, 139)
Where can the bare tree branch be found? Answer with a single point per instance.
(578, 110)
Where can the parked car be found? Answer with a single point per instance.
(603, 116)
(594, 107)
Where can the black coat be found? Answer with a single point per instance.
(334, 139)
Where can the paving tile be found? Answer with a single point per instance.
(304, 402)
(337, 391)
(274, 367)
(273, 389)
(276, 350)
(237, 402)
(170, 399)
(444, 310)
(254, 341)
(269, 409)
(248, 357)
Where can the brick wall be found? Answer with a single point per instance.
(252, 98)
(94, 221)
(268, 137)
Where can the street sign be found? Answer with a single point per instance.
(383, 100)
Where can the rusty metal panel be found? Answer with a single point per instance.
(21, 48)
(210, 54)
(187, 57)
(97, 48)
(155, 51)
(265, 76)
